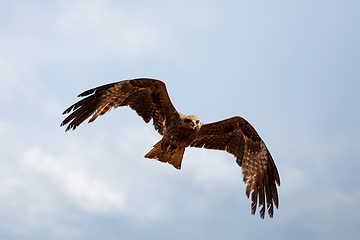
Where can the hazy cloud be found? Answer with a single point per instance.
(107, 25)
(290, 69)
(86, 192)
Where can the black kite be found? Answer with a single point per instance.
(149, 98)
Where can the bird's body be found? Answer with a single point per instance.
(176, 138)
(149, 98)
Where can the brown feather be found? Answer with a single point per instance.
(237, 136)
(167, 153)
(148, 97)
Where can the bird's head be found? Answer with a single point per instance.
(191, 121)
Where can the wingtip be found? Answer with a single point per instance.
(68, 110)
(278, 181)
(69, 127)
(271, 211)
(87, 92)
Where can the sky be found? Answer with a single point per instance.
(291, 68)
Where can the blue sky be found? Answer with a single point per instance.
(291, 68)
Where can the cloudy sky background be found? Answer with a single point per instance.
(291, 68)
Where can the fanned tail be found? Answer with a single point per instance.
(170, 154)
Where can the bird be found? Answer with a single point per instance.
(151, 101)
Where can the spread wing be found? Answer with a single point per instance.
(236, 136)
(148, 97)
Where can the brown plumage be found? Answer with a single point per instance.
(149, 98)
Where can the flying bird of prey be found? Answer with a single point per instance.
(150, 100)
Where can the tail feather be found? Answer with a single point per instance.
(170, 154)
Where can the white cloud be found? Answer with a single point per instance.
(293, 180)
(8, 77)
(7, 185)
(4, 130)
(102, 23)
(88, 193)
(213, 170)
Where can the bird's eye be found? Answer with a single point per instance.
(197, 121)
(187, 120)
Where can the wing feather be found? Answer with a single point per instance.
(237, 136)
(148, 97)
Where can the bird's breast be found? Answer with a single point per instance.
(180, 137)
